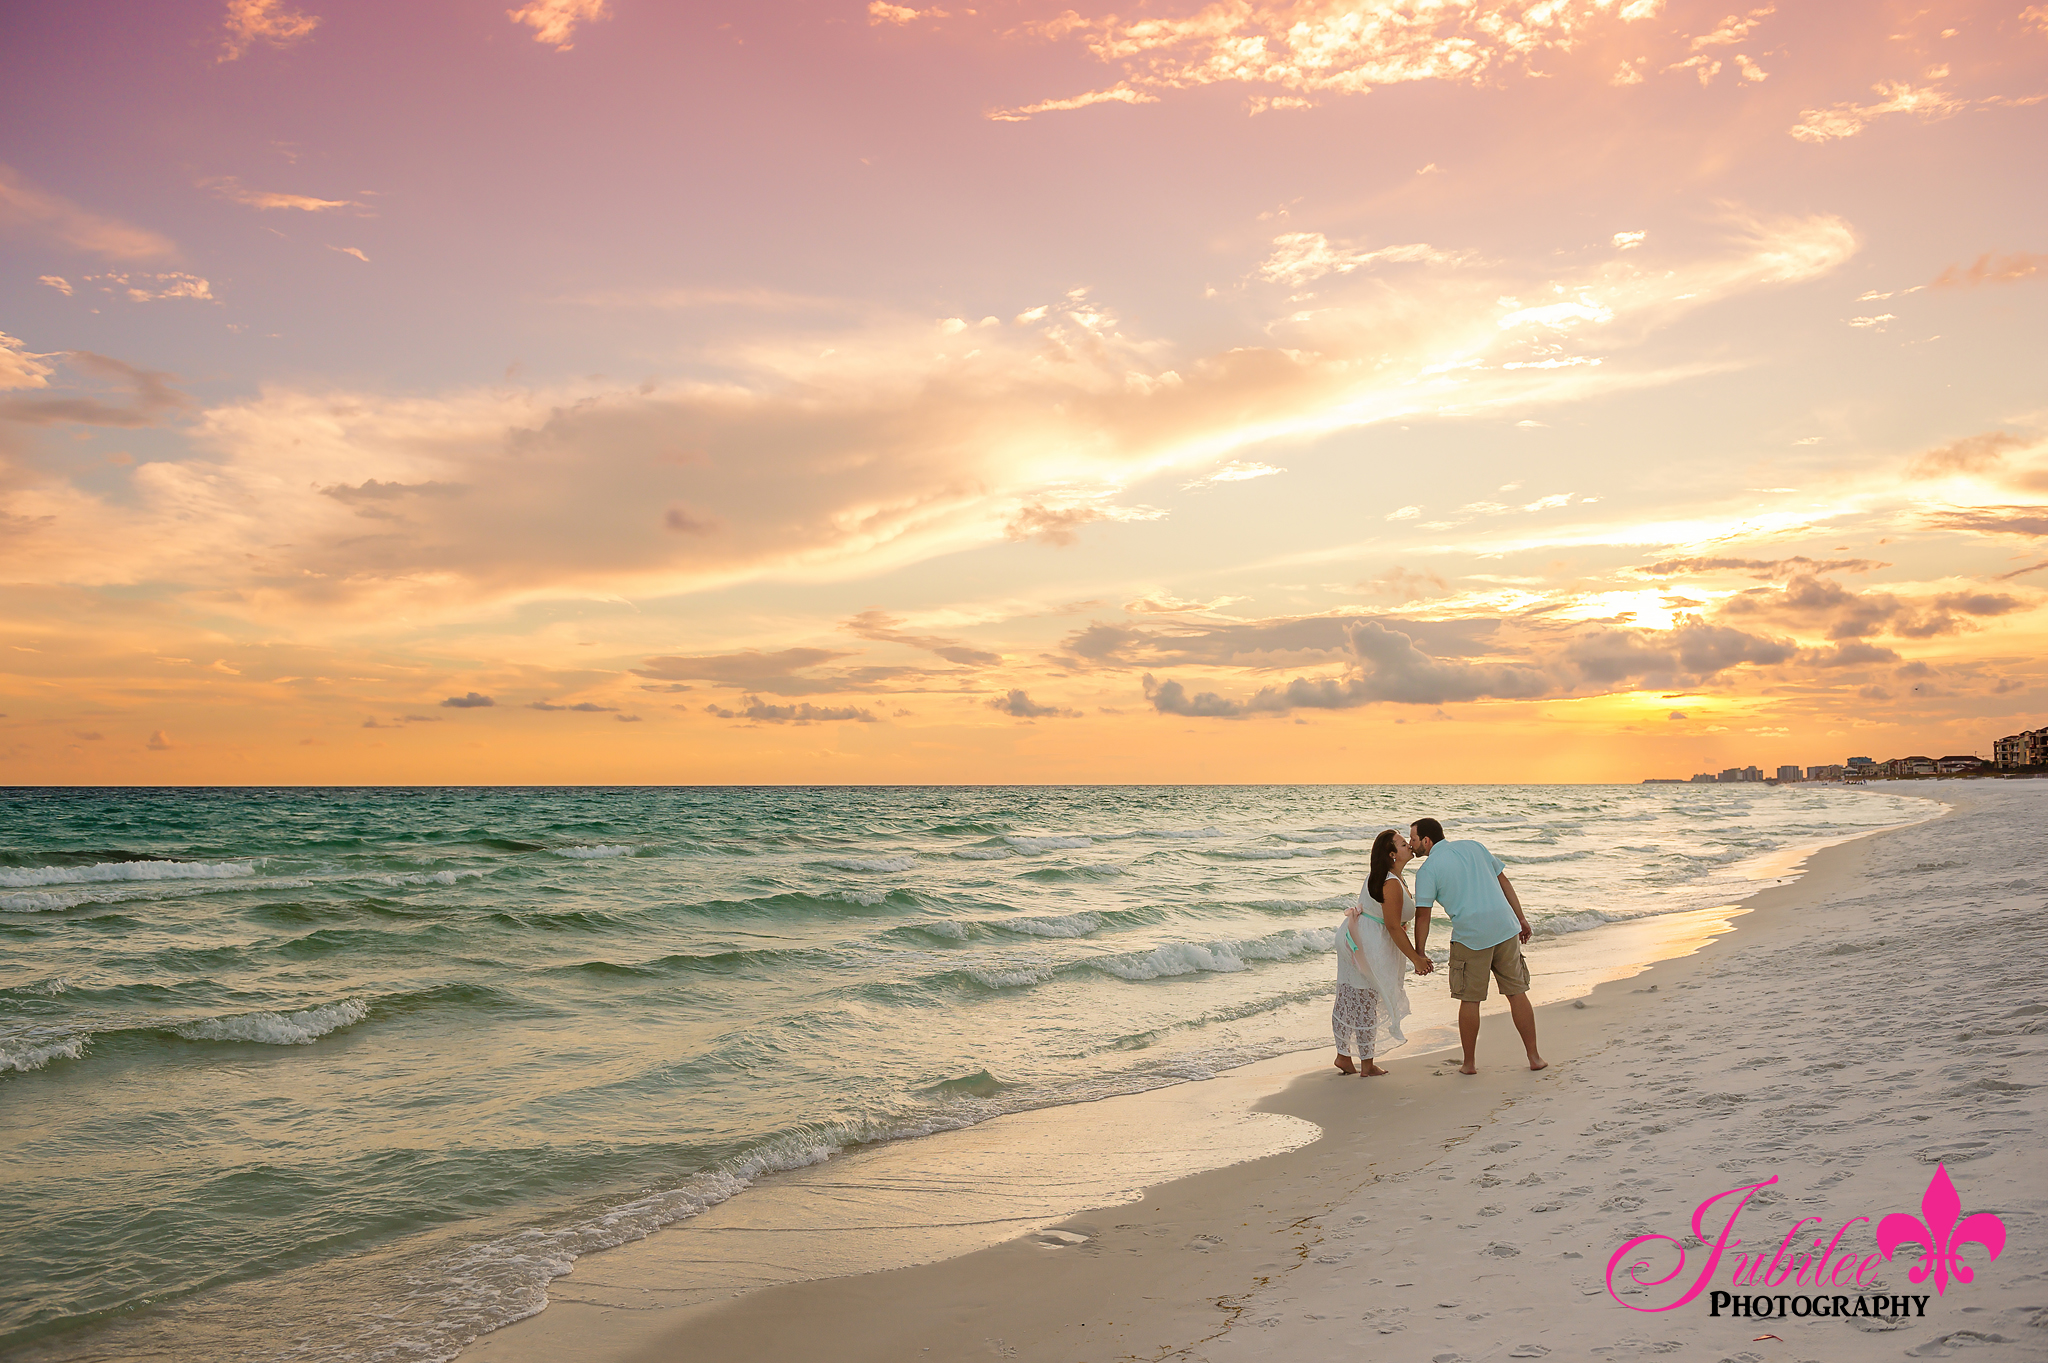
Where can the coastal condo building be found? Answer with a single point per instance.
(2027, 749)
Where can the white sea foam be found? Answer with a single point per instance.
(34, 1047)
(19, 877)
(871, 863)
(1563, 924)
(55, 900)
(51, 988)
(1010, 979)
(1075, 925)
(1270, 853)
(1187, 833)
(593, 853)
(1189, 958)
(432, 877)
(1339, 902)
(487, 1286)
(279, 1029)
(867, 899)
(1051, 844)
(1097, 868)
(983, 853)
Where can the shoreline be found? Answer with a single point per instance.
(1202, 1239)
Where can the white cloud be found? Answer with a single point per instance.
(57, 282)
(1236, 471)
(1558, 315)
(1849, 119)
(1299, 258)
(1300, 47)
(21, 369)
(554, 21)
(1624, 241)
(1120, 94)
(152, 288)
(1733, 29)
(882, 12)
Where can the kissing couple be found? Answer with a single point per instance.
(1377, 949)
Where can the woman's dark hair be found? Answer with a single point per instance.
(1382, 866)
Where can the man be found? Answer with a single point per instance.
(1487, 931)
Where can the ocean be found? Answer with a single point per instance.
(334, 1074)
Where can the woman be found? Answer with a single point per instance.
(1373, 954)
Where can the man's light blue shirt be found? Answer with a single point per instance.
(1463, 877)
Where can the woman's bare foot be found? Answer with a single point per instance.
(1344, 1063)
(1468, 1068)
(1371, 1070)
(1537, 1062)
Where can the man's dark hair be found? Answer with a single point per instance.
(1429, 828)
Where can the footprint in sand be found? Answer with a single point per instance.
(1948, 1344)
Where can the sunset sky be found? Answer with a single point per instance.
(620, 391)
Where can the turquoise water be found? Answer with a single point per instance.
(353, 1074)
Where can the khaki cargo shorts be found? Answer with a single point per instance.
(1469, 969)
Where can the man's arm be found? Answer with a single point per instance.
(1422, 934)
(1514, 902)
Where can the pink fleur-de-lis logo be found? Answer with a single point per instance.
(1940, 1235)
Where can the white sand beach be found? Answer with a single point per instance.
(1883, 1014)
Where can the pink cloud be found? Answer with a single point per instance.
(30, 211)
(249, 22)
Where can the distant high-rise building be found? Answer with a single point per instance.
(1752, 774)
(1857, 764)
(1703, 778)
(1831, 773)
(1731, 774)
(1788, 773)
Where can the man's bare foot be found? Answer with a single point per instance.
(1468, 1068)
(1537, 1062)
(1344, 1063)
(1371, 1070)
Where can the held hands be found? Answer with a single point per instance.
(1423, 965)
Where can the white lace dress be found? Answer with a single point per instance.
(1371, 1002)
